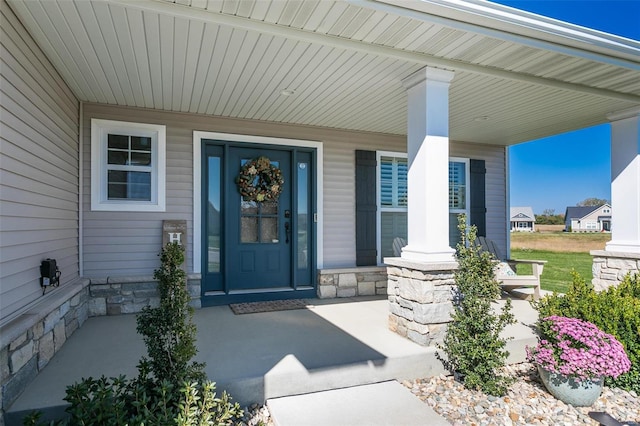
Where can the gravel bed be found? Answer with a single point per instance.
(527, 402)
(256, 415)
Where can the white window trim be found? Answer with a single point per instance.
(158, 135)
(379, 155)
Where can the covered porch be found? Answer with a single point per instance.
(330, 344)
(425, 84)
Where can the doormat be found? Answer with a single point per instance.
(270, 306)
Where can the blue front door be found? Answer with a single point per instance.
(256, 249)
(259, 232)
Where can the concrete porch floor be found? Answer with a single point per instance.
(332, 344)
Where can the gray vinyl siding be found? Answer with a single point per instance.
(127, 243)
(38, 168)
(495, 186)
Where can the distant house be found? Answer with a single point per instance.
(522, 219)
(588, 219)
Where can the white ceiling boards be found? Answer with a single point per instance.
(517, 76)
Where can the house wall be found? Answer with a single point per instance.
(38, 169)
(522, 226)
(126, 244)
(39, 214)
(495, 186)
(590, 222)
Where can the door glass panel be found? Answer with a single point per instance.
(303, 214)
(213, 216)
(249, 229)
(258, 220)
(269, 207)
(269, 230)
(249, 207)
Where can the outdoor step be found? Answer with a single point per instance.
(290, 377)
(386, 403)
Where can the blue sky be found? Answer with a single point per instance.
(560, 171)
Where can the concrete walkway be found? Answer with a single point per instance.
(386, 403)
(333, 344)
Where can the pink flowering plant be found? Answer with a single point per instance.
(578, 349)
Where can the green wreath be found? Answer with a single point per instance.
(259, 180)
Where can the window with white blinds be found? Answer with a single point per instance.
(458, 186)
(393, 182)
(392, 198)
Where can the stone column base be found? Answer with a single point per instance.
(609, 268)
(420, 299)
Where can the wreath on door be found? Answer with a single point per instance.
(259, 180)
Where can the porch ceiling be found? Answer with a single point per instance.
(516, 78)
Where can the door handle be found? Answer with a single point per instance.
(287, 231)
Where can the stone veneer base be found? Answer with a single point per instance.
(420, 299)
(609, 268)
(351, 282)
(30, 339)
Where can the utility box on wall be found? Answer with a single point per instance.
(175, 231)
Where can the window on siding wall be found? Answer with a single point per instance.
(127, 166)
(392, 198)
(458, 195)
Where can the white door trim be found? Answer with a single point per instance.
(197, 184)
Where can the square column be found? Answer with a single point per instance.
(625, 182)
(428, 158)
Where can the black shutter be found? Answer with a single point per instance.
(478, 207)
(366, 253)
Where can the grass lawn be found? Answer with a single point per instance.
(556, 275)
(563, 252)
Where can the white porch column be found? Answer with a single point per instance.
(625, 182)
(428, 179)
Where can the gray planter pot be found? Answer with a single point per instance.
(569, 391)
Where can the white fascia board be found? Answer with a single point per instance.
(514, 25)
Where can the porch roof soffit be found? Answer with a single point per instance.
(394, 52)
(343, 60)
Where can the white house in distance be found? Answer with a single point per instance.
(588, 219)
(522, 219)
(384, 118)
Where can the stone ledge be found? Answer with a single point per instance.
(135, 280)
(420, 266)
(40, 309)
(355, 269)
(618, 254)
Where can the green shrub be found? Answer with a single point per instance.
(168, 330)
(473, 345)
(615, 311)
(118, 401)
